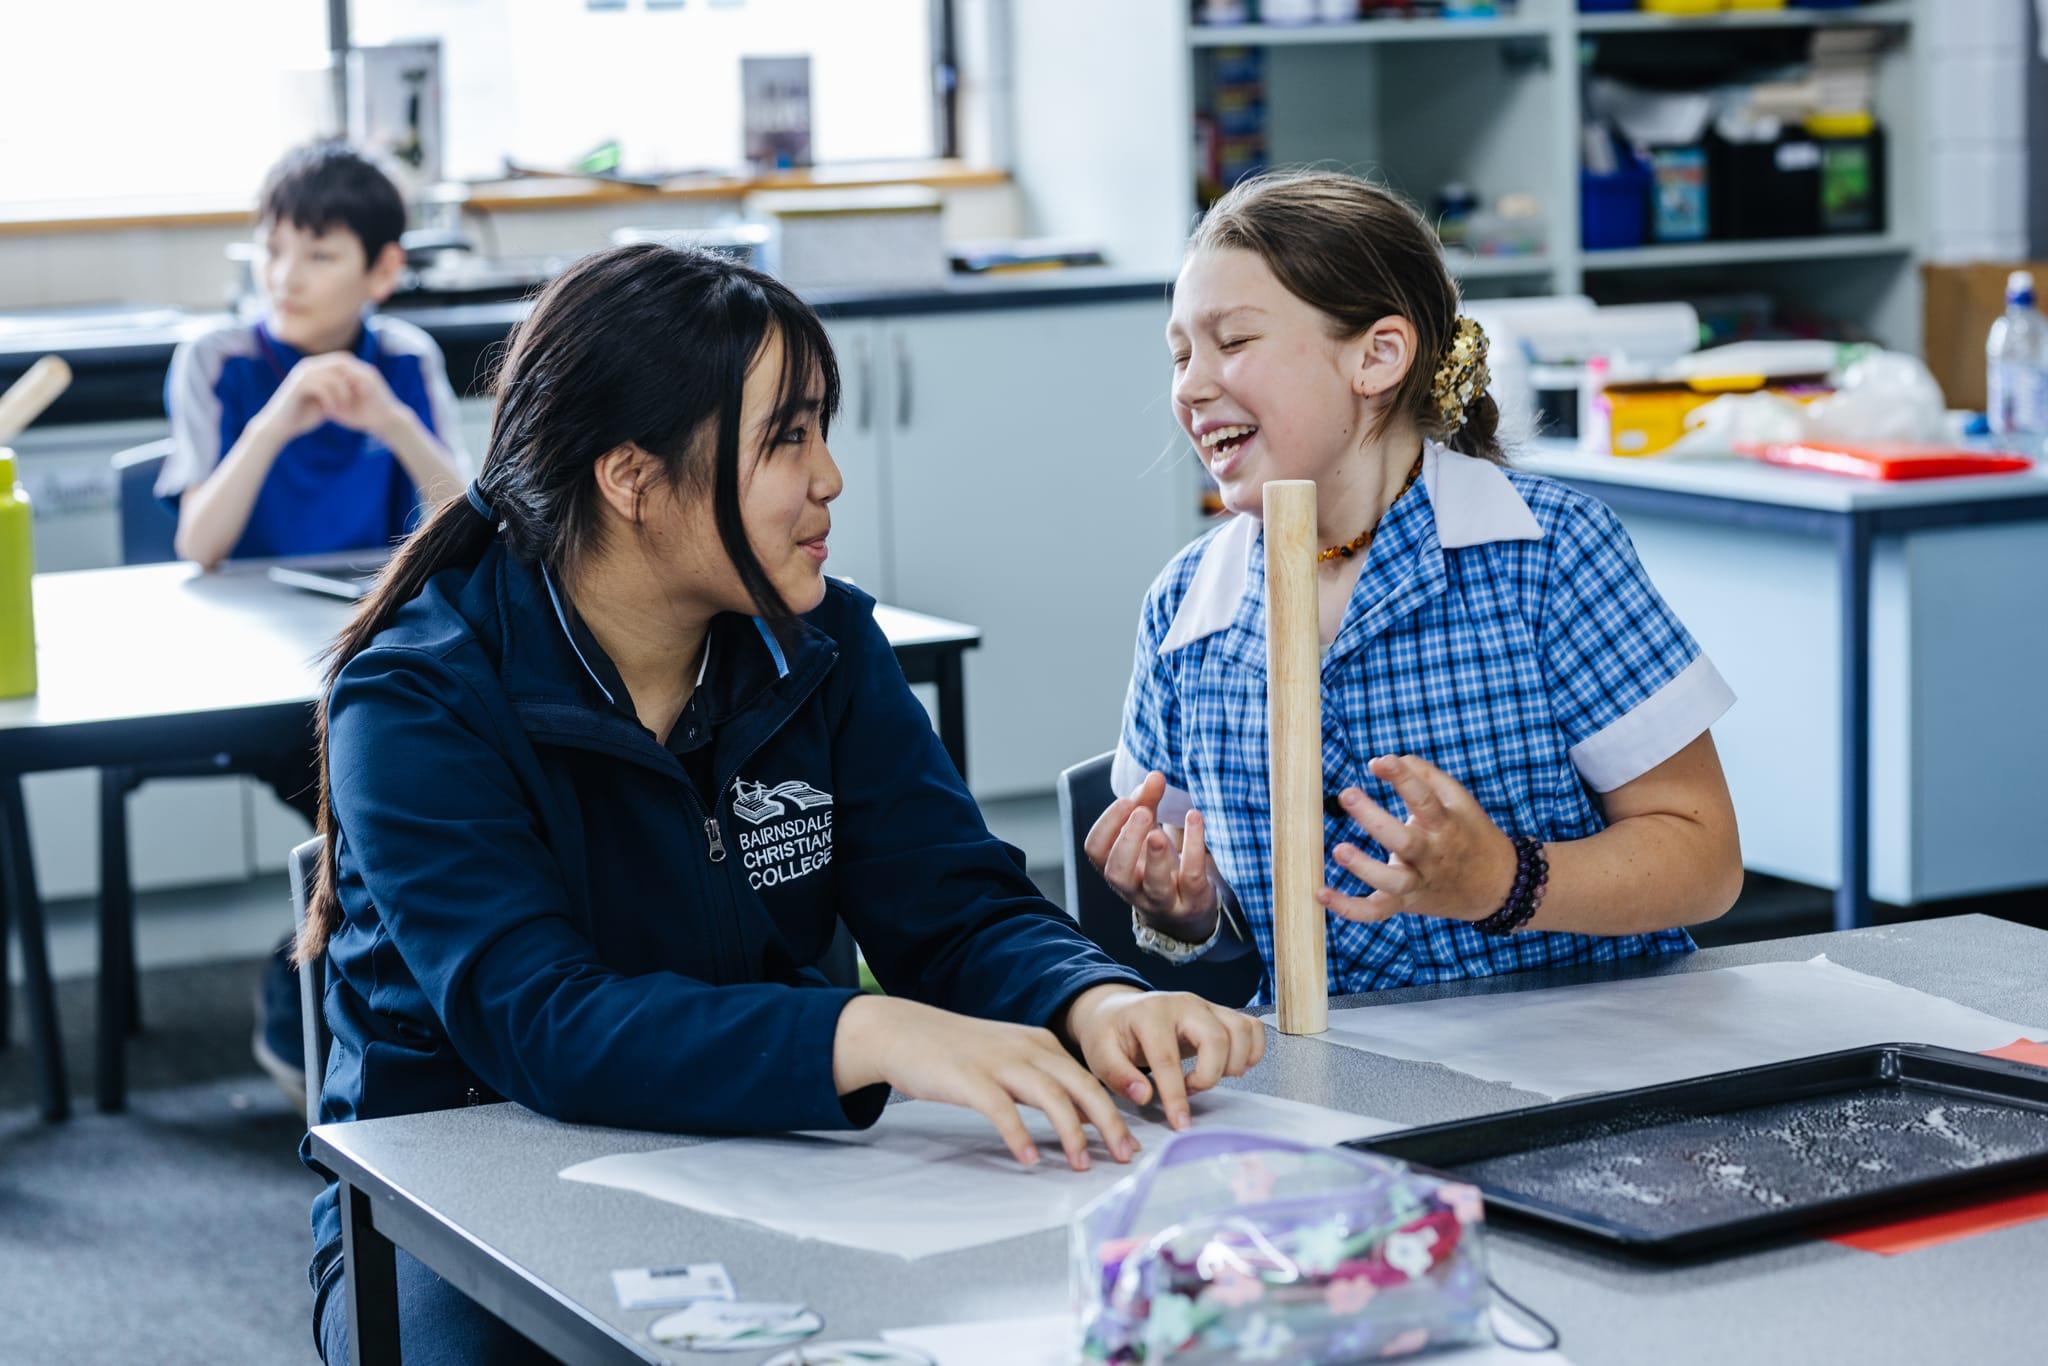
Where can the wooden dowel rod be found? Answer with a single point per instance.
(1294, 740)
(26, 398)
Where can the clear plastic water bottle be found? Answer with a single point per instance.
(2016, 364)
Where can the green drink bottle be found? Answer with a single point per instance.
(17, 571)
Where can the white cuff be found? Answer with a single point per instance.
(1126, 773)
(1661, 724)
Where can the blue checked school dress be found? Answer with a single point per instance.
(1501, 628)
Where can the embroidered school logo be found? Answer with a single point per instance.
(792, 834)
(758, 802)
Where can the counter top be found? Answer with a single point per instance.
(119, 355)
(528, 194)
(1752, 481)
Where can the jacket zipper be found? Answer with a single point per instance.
(712, 835)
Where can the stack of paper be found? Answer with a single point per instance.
(927, 1178)
(1612, 1036)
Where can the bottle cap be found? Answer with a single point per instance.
(2019, 288)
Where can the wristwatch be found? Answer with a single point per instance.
(1166, 946)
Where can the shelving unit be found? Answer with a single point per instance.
(1469, 267)
(1368, 31)
(1680, 255)
(1106, 151)
(1892, 12)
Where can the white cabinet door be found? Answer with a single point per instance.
(274, 828)
(182, 832)
(63, 831)
(68, 473)
(1036, 488)
(860, 529)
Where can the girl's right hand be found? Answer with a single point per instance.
(1162, 872)
(987, 1066)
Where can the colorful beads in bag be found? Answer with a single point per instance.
(1238, 1247)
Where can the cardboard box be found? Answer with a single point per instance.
(1648, 417)
(1958, 306)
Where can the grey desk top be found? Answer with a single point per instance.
(152, 641)
(492, 1173)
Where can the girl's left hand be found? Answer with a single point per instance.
(1120, 1029)
(1448, 859)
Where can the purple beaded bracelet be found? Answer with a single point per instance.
(1532, 871)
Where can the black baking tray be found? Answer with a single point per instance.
(1706, 1163)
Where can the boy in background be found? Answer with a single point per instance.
(321, 427)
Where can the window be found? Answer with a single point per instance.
(544, 81)
(106, 101)
(168, 106)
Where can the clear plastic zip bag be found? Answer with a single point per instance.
(1234, 1247)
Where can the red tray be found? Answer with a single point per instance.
(1887, 461)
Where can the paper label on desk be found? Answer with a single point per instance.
(1611, 1036)
(718, 1325)
(663, 1286)
(927, 1178)
(1049, 1340)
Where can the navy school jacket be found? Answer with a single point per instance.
(539, 906)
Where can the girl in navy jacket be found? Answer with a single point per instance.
(606, 758)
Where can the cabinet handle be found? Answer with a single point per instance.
(864, 410)
(902, 381)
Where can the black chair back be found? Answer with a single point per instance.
(148, 529)
(305, 873)
(1103, 916)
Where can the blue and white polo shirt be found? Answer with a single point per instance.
(330, 489)
(1502, 628)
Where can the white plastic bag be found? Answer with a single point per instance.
(1881, 396)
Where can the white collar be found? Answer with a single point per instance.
(1473, 501)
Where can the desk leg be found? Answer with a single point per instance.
(18, 885)
(953, 707)
(116, 984)
(1853, 555)
(370, 1271)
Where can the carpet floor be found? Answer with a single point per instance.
(172, 1233)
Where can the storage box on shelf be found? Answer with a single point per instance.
(1961, 301)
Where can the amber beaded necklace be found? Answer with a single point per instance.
(1363, 539)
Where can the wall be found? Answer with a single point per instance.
(1979, 57)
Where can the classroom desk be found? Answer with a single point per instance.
(1853, 516)
(162, 663)
(475, 1194)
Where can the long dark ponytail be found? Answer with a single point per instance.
(644, 345)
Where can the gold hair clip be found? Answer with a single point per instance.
(1462, 375)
